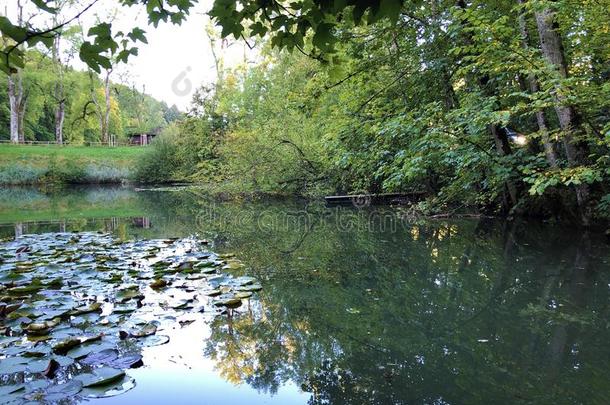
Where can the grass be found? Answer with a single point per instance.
(21, 164)
(38, 155)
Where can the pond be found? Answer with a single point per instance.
(355, 305)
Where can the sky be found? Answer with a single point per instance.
(174, 63)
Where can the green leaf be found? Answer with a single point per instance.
(18, 34)
(138, 34)
(43, 5)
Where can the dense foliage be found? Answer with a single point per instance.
(131, 111)
(454, 99)
(501, 106)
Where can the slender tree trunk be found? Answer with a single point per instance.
(106, 125)
(60, 115)
(503, 149)
(14, 102)
(552, 49)
(17, 100)
(60, 110)
(534, 88)
(21, 114)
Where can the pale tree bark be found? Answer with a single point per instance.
(60, 109)
(534, 88)
(15, 94)
(21, 115)
(553, 51)
(106, 126)
(14, 97)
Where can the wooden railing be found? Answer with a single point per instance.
(53, 143)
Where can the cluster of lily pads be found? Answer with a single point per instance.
(76, 309)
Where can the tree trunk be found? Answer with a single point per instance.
(21, 114)
(552, 49)
(14, 101)
(549, 149)
(60, 110)
(60, 114)
(106, 124)
(503, 149)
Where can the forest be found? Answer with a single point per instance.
(64, 105)
(498, 107)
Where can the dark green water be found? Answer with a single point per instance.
(364, 306)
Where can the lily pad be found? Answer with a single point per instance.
(228, 302)
(118, 387)
(146, 330)
(100, 377)
(56, 393)
(155, 340)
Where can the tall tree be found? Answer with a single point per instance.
(16, 94)
(551, 44)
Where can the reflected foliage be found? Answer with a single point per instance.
(361, 306)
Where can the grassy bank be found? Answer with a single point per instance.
(21, 164)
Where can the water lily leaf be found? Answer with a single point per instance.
(155, 340)
(38, 338)
(241, 281)
(65, 345)
(9, 389)
(13, 365)
(157, 284)
(100, 358)
(146, 330)
(118, 387)
(42, 328)
(39, 366)
(29, 289)
(124, 309)
(124, 362)
(56, 393)
(228, 302)
(100, 377)
(37, 352)
(87, 309)
(251, 287)
(233, 265)
(84, 350)
(127, 294)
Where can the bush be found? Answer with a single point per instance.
(19, 174)
(105, 174)
(68, 173)
(159, 164)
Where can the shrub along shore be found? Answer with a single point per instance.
(51, 164)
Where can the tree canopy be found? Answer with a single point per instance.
(499, 105)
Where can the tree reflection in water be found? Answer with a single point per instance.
(428, 312)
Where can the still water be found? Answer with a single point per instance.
(362, 306)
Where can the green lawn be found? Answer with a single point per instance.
(39, 155)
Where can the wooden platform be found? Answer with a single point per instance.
(365, 200)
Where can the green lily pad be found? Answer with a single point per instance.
(9, 389)
(146, 330)
(228, 302)
(100, 377)
(117, 387)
